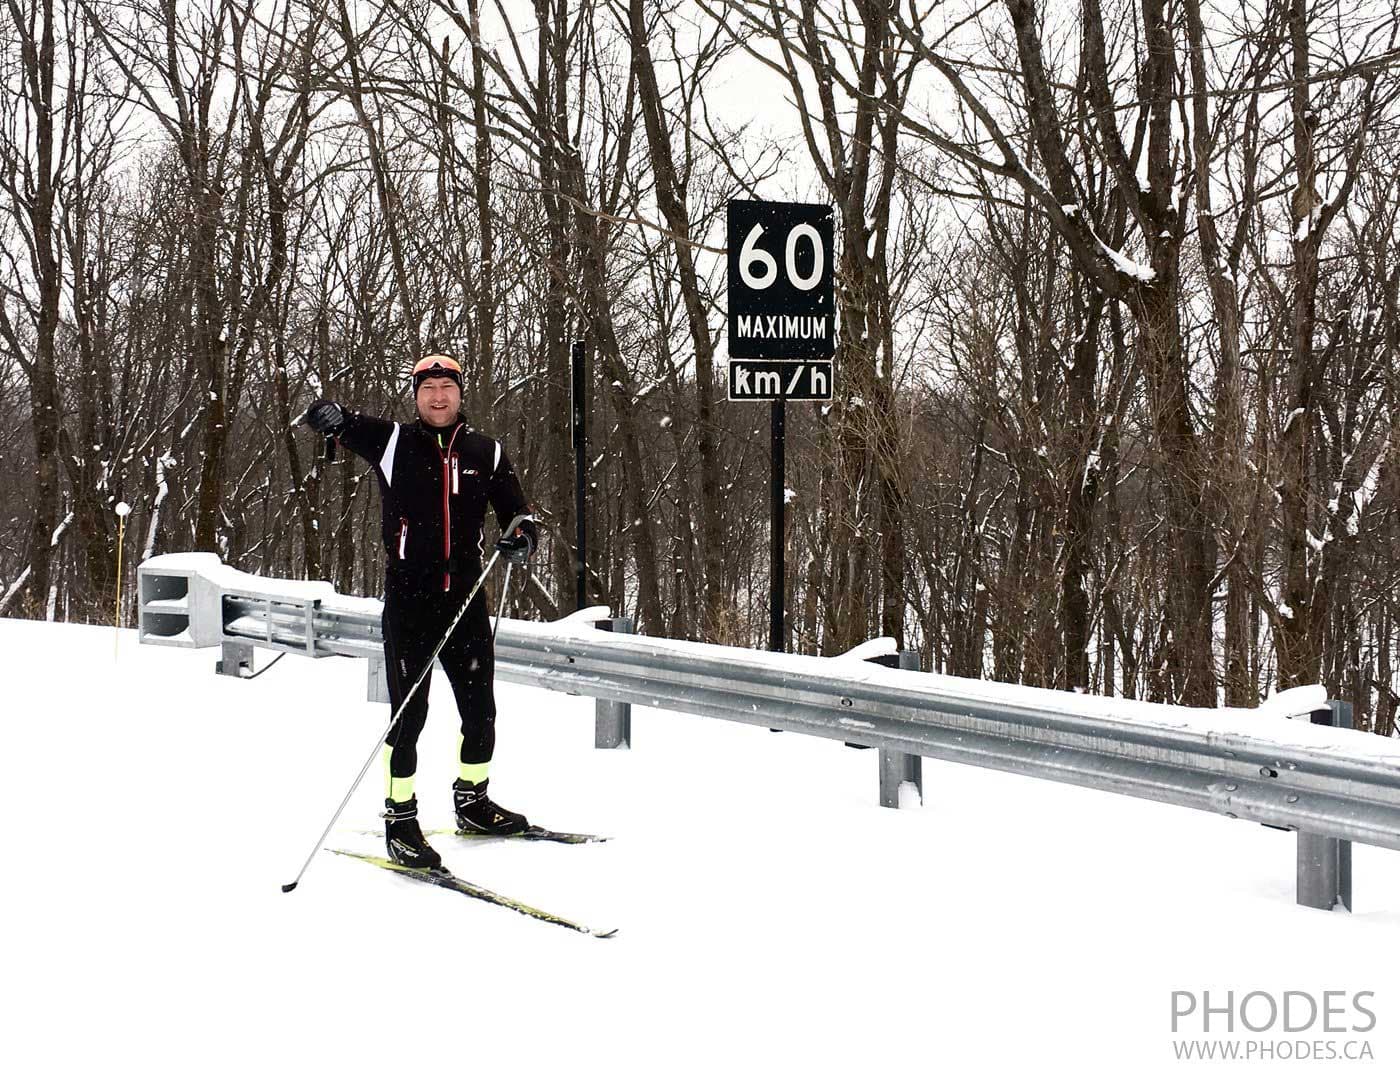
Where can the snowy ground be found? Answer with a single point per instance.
(774, 920)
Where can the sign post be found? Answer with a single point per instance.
(782, 335)
(777, 527)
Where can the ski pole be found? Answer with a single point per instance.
(505, 588)
(500, 610)
(407, 697)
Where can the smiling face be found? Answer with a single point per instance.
(438, 401)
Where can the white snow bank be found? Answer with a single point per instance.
(759, 888)
(872, 649)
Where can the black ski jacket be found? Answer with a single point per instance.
(434, 486)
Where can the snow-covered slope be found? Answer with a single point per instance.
(774, 920)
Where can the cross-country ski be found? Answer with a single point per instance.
(444, 879)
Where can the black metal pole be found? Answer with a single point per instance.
(778, 506)
(580, 423)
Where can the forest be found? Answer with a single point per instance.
(1116, 376)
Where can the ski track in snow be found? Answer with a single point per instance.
(774, 921)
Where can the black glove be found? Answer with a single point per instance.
(517, 548)
(325, 417)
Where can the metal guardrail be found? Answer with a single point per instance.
(1332, 790)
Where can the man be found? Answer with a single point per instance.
(436, 477)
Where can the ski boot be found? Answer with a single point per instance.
(404, 838)
(476, 813)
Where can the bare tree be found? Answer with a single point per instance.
(672, 198)
(31, 178)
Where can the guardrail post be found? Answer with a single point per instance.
(612, 725)
(1324, 863)
(897, 768)
(235, 658)
(312, 607)
(377, 688)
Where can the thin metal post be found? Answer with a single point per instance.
(777, 505)
(897, 769)
(612, 724)
(1324, 863)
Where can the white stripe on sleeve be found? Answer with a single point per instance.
(386, 463)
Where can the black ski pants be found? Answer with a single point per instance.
(413, 623)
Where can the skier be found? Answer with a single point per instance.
(436, 477)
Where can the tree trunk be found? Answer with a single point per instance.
(486, 286)
(44, 414)
(671, 197)
(1298, 629)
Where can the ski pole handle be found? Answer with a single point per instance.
(520, 518)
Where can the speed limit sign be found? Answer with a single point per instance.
(781, 305)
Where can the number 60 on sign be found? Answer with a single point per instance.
(781, 298)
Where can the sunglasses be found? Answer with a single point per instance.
(444, 364)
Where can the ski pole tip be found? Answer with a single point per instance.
(288, 887)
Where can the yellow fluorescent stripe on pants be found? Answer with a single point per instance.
(471, 773)
(396, 788)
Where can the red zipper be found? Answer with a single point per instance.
(447, 513)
